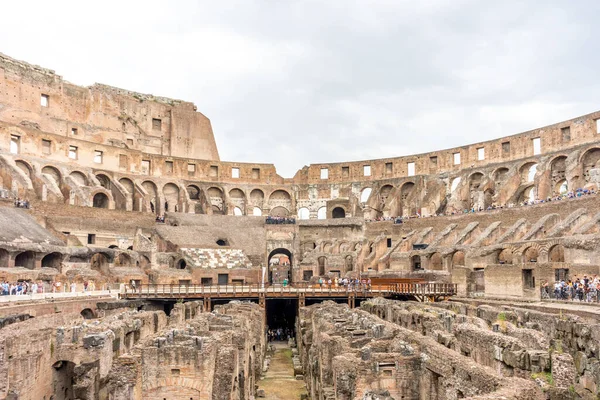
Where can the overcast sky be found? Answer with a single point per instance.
(299, 82)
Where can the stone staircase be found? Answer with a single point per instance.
(217, 258)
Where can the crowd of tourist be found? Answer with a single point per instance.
(586, 289)
(21, 288)
(280, 220)
(346, 283)
(279, 334)
(19, 203)
(566, 196)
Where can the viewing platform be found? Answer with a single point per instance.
(408, 291)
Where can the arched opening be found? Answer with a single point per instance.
(215, 196)
(556, 253)
(458, 258)
(338, 212)
(237, 195)
(590, 160)
(79, 178)
(25, 259)
(528, 172)
(322, 213)
(113, 246)
(171, 194)
(87, 313)
(222, 242)
(257, 197)
(415, 262)
(349, 263)
(129, 195)
(384, 193)
(151, 200)
(63, 379)
(561, 188)
(406, 192)
(237, 211)
(528, 195)
(530, 255)
(104, 181)
(280, 263)
(99, 262)
(144, 262)
(52, 260)
(322, 261)
(558, 168)
(303, 213)
(193, 192)
(279, 212)
(505, 256)
(435, 262)
(454, 184)
(24, 167)
(100, 200)
(501, 175)
(365, 194)
(257, 212)
(123, 260)
(4, 256)
(181, 264)
(52, 173)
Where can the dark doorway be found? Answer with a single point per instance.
(281, 313)
(100, 200)
(25, 260)
(223, 279)
(338, 212)
(62, 380)
(306, 275)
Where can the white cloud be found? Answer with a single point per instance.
(293, 83)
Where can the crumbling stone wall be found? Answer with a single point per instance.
(352, 354)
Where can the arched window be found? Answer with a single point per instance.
(322, 213)
(303, 213)
(365, 194)
(237, 211)
(257, 212)
(338, 212)
(100, 200)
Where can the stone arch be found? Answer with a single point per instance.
(52, 260)
(215, 196)
(4, 256)
(531, 254)
(500, 175)
(152, 201)
(129, 187)
(123, 260)
(171, 194)
(338, 212)
(556, 253)
(558, 167)
(87, 313)
(590, 160)
(237, 194)
(435, 262)
(25, 259)
(528, 194)
(279, 212)
(99, 262)
(458, 258)
(237, 211)
(365, 194)
(104, 180)
(327, 246)
(25, 167)
(181, 264)
(100, 200)
(257, 197)
(561, 187)
(454, 184)
(505, 256)
(528, 172)
(79, 178)
(63, 377)
(52, 173)
(280, 199)
(303, 213)
(322, 213)
(384, 193)
(256, 211)
(145, 262)
(322, 264)
(406, 191)
(349, 263)
(193, 192)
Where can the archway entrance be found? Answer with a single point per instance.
(25, 259)
(338, 212)
(63, 377)
(280, 264)
(100, 200)
(52, 260)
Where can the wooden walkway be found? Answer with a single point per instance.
(409, 291)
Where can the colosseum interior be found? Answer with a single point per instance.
(137, 265)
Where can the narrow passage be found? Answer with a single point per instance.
(279, 382)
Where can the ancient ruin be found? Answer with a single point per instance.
(135, 264)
